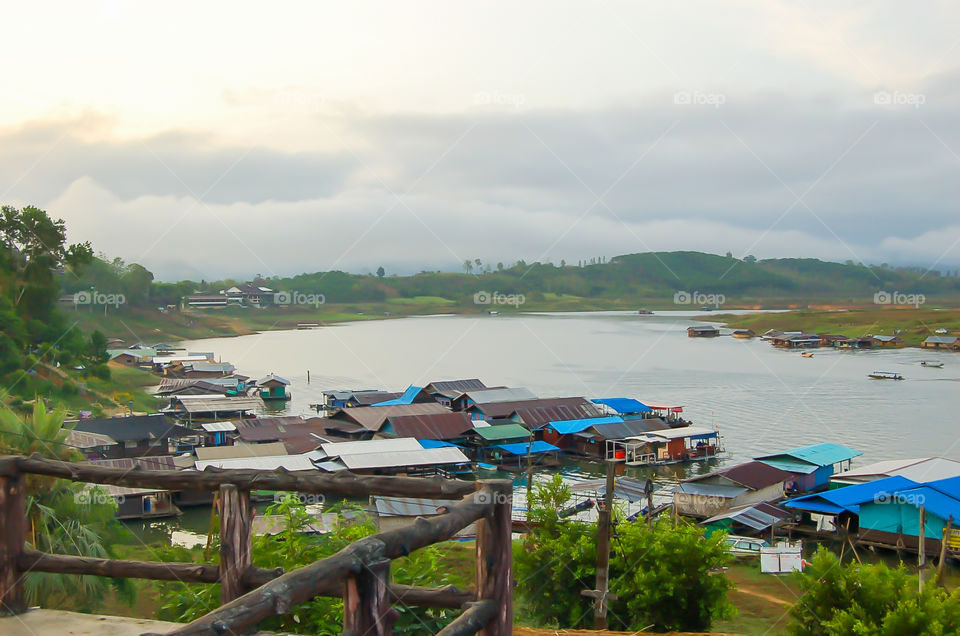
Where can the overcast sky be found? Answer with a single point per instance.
(207, 140)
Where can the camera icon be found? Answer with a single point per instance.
(683, 98)
(82, 498)
(882, 98)
(282, 298)
(882, 298)
(481, 298)
(82, 298)
(682, 298)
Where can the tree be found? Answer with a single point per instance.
(750, 258)
(664, 576)
(468, 266)
(381, 272)
(500, 267)
(868, 599)
(477, 262)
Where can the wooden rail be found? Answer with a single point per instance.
(360, 573)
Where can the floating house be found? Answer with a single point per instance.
(840, 507)
(269, 449)
(218, 433)
(232, 385)
(273, 388)
(813, 465)
(669, 446)
(137, 503)
(749, 520)
(212, 407)
(535, 413)
(475, 397)
(918, 469)
(134, 436)
(502, 434)
(413, 395)
(453, 427)
(592, 441)
(881, 341)
(941, 342)
(703, 331)
(791, 340)
(516, 457)
(446, 390)
(706, 496)
(744, 334)
(373, 418)
(363, 397)
(561, 432)
(419, 461)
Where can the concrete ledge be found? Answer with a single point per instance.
(40, 622)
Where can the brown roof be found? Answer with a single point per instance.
(431, 426)
(373, 417)
(278, 431)
(451, 388)
(366, 398)
(306, 443)
(754, 475)
(542, 411)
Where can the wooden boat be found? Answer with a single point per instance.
(936, 364)
(644, 312)
(885, 375)
(807, 354)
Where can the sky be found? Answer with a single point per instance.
(210, 140)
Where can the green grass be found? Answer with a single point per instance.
(421, 300)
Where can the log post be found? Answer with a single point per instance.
(236, 527)
(366, 602)
(495, 557)
(943, 550)
(13, 527)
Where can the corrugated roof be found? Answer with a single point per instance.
(83, 439)
(502, 431)
(624, 405)
(918, 469)
(451, 388)
(366, 398)
(791, 465)
(757, 516)
(849, 498)
(941, 339)
(406, 397)
(158, 462)
(524, 448)
(824, 454)
(430, 426)
(273, 378)
(219, 427)
(490, 396)
(133, 428)
(410, 506)
(630, 428)
(710, 490)
(372, 418)
(342, 449)
(205, 404)
(272, 449)
(268, 431)
(754, 475)
(538, 412)
(565, 427)
(401, 459)
(287, 462)
(677, 433)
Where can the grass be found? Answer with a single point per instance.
(422, 300)
(914, 323)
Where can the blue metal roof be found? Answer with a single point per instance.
(932, 500)
(825, 454)
(436, 443)
(624, 405)
(407, 397)
(949, 486)
(565, 427)
(520, 448)
(850, 497)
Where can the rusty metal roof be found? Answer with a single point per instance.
(373, 417)
(753, 475)
(539, 412)
(429, 426)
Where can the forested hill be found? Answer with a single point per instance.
(652, 278)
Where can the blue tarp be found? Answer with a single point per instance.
(520, 448)
(949, 486)
(407, 397)
(624, 405)
(565, 427)
(436, 443)
(850, 497)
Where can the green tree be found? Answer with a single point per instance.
(381, 272)
(868, 599)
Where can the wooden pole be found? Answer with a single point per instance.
(366, 601)
(494, 568)
(601, 594)
(648, 489)
(236, 527)
(943, 549)
(13, 528)
(922, 555)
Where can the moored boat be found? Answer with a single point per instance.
(936, 364)
(644, 312)
(807, 354)
(885, 375)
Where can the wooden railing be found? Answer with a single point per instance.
(360, 573)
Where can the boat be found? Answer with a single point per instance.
(807, 354)
(644, 312)
(936, 364)
(485, 466)
(885, 375)
(706, 308)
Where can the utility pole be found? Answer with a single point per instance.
(602, 594)
(922, 555)
(529, 472)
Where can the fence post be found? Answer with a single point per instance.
(495, 558)
(13, 526)
(236, 526)
(366, 602)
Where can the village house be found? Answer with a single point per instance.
(882, 341)
(444, 391)
(813, 465)
(273, 387)
(204, 301)
(535, 413)
(135, 436)
(373, 418)
(249, 295)
(951, 343)
(703, 331)
(708, 495)
(491, 395)
(626, 408)
(450, 427)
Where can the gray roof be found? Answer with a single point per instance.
(941, 339)
(400, 459)
(410, 506)
(709, 490)
(488, 396)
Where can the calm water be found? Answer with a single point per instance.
(763, 399)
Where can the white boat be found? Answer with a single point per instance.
(885, 375)
(807, 354)
(936, 364)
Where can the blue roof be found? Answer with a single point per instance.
(624, 405)
(406, 398)
(932, 500)
(825, 454)
(565, 427)
(436, 443)
(949, 486)
(520, 448)
(850, 497)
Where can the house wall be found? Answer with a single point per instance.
(700, 505)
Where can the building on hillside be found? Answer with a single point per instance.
(204, 301)
(249, 295)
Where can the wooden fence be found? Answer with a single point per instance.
(360, 573)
